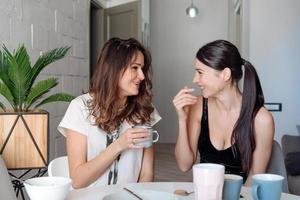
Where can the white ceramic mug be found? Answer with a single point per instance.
(208, 181)
(151, 132)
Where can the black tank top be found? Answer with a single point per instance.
(229, 157)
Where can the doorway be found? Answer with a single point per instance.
(122, 21)
(96, 33)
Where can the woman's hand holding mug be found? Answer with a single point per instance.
(132, 136)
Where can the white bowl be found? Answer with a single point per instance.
(48, 188)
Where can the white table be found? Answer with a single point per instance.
(99, 192)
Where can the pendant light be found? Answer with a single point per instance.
(192, 10)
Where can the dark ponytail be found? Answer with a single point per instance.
(252, 101)
(218, 55)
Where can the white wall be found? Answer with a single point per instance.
(112, 3)
(174, 40)
(274, 48)
(102, 3)
(44, 25)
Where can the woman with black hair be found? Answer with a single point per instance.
(225, 125)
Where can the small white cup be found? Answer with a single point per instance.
(151, 132)
(208, 181)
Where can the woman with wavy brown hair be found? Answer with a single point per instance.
(102, 146)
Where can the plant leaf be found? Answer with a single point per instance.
(39, 89)
(19, 72)
(56, 97)
(46, 59)
(4, 76)
(2, 106)
(4, 91)
(3, 65)
(3, 62)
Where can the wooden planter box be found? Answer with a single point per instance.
(24, 139)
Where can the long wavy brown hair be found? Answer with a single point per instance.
(115, 57)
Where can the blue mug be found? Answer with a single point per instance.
(266, 186)
(232, 187)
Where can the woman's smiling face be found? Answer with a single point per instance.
(131, 78)
(208, 79)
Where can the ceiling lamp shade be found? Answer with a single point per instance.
(192, 10)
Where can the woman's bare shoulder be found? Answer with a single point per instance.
(264, 123)
(263, 117)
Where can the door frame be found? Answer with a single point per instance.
(96, 33)
(123, 8)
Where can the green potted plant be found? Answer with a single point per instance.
(23, 126)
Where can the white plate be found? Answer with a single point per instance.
(144, 194)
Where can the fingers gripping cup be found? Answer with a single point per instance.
(152, 139)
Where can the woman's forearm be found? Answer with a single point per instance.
(147, 177)
(147, 169)
(87, 173)
(183, 152)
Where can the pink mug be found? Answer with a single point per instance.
(208, 181)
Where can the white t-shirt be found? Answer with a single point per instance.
(77, 118)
